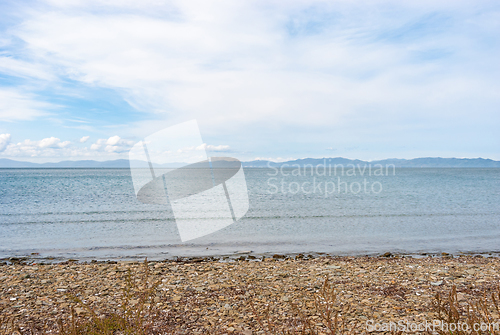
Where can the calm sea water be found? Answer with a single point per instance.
(93, 213)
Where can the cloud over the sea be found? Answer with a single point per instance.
(277, 79)
(4, 141)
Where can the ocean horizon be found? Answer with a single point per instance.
(94, 214)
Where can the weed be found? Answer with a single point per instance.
(137, 315)
(327, 315)
(322, 312)
(477, 317)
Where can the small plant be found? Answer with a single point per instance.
(320, 313)
(469, 317)
(326, 307)
(6, 325)
(137, 313)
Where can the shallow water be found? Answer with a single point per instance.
(93, 213)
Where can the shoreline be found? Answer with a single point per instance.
(235, 256)
(195, 296)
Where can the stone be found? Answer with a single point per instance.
(214, 297)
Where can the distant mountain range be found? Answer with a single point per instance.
(400, 163)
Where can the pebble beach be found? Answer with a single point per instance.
(246, 296)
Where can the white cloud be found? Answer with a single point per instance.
(210, 147)
(51, 146)
(98, 144)
(18, 105)
(49, 142)
(269, 64)
(114, 144)
(23, 68)
(4, 141)
(359, 72)
(113, 140)
(63, 144)
(204, 146)
(84, 139)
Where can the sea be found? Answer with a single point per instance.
(85, 214)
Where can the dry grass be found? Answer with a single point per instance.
(325, 318)
(471, 315)
(322, 312)
(137, 314)
(8, 326)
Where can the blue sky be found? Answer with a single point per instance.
(264, 79)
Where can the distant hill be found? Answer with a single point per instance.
(305, 161)
(401, 163)
(427, 162)
(441, 162)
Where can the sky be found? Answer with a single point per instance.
(267, 79)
